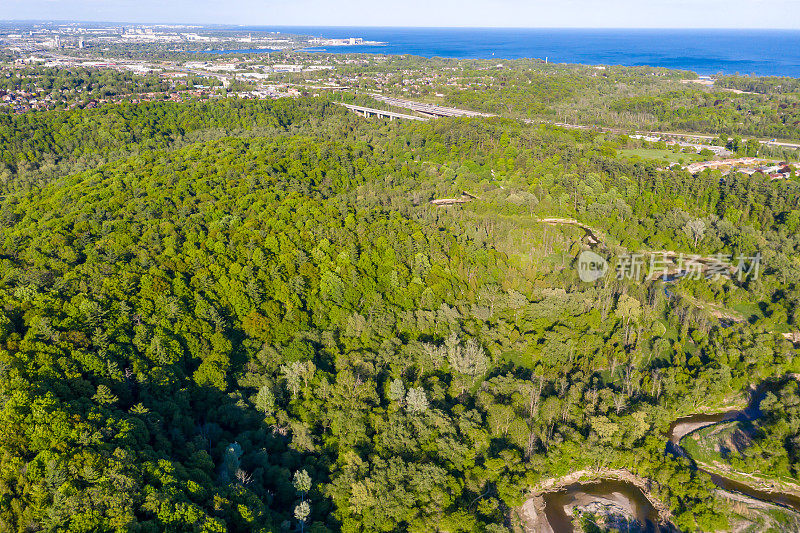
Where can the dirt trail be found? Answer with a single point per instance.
(597, 237)
(593, 235)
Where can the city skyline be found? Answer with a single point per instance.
(672, 14)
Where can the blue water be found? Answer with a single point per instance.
(762, 52)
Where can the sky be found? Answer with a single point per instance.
(487, 13)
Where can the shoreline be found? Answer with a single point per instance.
(532, 514)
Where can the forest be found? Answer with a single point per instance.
(644, 98)
(242, 315)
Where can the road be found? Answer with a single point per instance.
(431, 110)
(391, 115)
(441, 111)
(434, 111)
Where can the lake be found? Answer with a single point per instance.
(762, 52)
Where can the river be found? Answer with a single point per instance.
(624, 497)
(606, 493)
(686, 425)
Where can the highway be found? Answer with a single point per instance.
(434, 110)
(431, 110)
(391, 115)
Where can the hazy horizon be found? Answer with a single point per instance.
(231, 26)
(537, 14)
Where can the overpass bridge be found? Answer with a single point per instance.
(430, 110)
(391, 115)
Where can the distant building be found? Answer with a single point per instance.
(223, 67)
(254, 75)
(287, 68)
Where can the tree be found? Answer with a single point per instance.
(104, 396)
(397, 391)
(605, 428)
(301, 512)
(265, 400)
(302, 482)
(469, 359)
(695, 229)
(630, 309)
(297, 374)
(416, 400)
(793, 221)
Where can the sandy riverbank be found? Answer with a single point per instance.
(533, 513)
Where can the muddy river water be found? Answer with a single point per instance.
(619, 494)
(684, 426)
(626, 497)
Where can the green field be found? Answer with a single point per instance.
(654, 154)
(751, 311)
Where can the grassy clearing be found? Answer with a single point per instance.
(701, 444)
(750, 311)
(662, 156)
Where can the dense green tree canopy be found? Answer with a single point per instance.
(240, 316)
